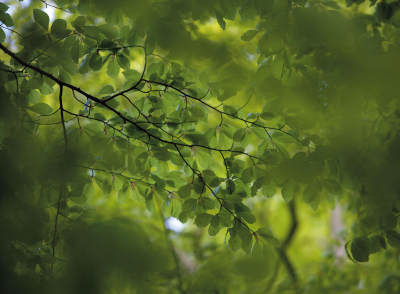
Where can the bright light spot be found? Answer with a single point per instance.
(250, 57)
(51, 11)
(91, 173)
(174, 224)
(25, 4)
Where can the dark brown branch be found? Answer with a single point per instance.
(11, 30)
(55, 230)
(293, 227)
(147, 118)
(118, 47)
(62, 116)
(220, 200)
(288, 239)
(105, 123)
(226, 166)
(120, 174)
(45, 50)
(221, 111)
(61, 195)
(150, 135)
(135, 85)
(54, 6)
(104, 103)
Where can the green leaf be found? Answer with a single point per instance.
(215, 225)
(107, 89)
(234, 242)
(289, 190)
(248, 217)
(75, 50)
(253, 268)
(239, 135)
(105, 185)
(268, 188)
(155, 67)
(185, 191)
(109, 30)
(113, 67)
(359, 249)
(3, 7)
(221, 21)
(267, 115)
(131, 75)
(113, 103)
(92, 32)
(64, 76)
(42, 108)
(245, 237)
(198, 113)
(207, 203)
(252, 116)
(2, 35)
(41, 18)
(393, 239)
(79, 21)
(247, 175)
(376, 243)
(230, 186)
(134, 132)
(154, 99)
(123, 61)
(230, 110)
(95, 61)
(150, 46)
(6, 19)
(249, 35)
(312, 193)
(244, 212)
(33, 97)
(225, 218)
(59, 28)
(162, 155)
(189, 205)
(208, 175)
(99, 116)
(200, 139)
(198, 185)
(184, 216)
(266, 234)
(116, 120)
(84, 66)
(203, 219)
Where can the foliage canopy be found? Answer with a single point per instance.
(117, 115)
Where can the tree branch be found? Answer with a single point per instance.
(149, 134)
(55, 230)
(288, 239)
(62, 115)
(222, 112)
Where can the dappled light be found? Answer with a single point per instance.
(184, 146)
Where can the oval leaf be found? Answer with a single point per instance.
(59, 28)
(42, 108)
(123, 61)
(95, 61)
(41, 18)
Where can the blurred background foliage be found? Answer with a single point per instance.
(183, 146)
